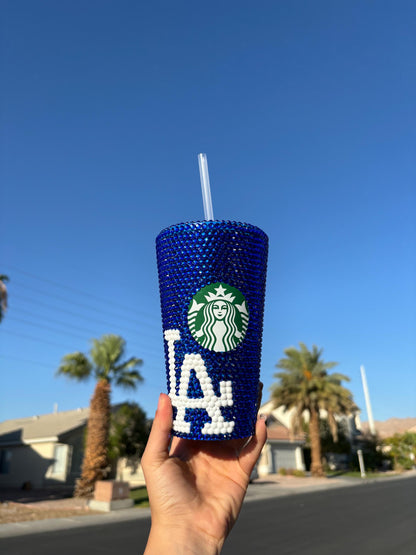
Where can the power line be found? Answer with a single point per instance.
(34, 324)
(56, 321)
(49, 366)
(42, 326)
(78, 291)
(83, 338)
(148, 384)
(37, 339)
(71, 302)
(18, 359)
(42, 318)
(77, 315)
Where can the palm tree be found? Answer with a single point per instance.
(3, 295)
(306, 386)
(106, 366)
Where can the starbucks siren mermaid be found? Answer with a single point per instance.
(218, 317)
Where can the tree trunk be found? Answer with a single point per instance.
(315, 438)
(95, 464)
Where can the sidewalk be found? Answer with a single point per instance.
(263, 488)
(275, 485)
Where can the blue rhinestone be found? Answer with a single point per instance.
(191, 256)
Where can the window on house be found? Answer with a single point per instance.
(60, 455)
(5, 458)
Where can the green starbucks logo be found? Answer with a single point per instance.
(218, 317)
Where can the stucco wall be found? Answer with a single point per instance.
(270, 455)
(34, 463)
(130, 470)
(76, 441)
(28, 463)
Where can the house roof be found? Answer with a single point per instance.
(280, 414)
(281, 433)
(285, 416)
(277, 430)
(46, 427)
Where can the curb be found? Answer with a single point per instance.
(55, 524)
(255, 492)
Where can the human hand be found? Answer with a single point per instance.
(196, 488)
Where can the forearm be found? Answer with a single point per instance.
(180, 542)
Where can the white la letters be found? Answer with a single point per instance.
(210, 402)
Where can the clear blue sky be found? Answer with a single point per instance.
(306, 111)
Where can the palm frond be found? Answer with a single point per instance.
(3, 294)
(339, 377)
(106, 353)
(129, 379)
(305, 379)
(75, 366)
(297, 420)
(333, 426)
(131, 363)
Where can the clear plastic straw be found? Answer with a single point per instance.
(205, 186)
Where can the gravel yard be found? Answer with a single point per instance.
(17, 512)
(18, 506)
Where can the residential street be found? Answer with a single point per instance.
(372, 518)
(368, 518)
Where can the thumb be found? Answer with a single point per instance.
(251, 451)
(157, 448)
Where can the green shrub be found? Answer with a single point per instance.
(282, 471)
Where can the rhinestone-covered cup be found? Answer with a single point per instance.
(212, 278)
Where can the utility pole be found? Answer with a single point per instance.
(367, 402)
(361, 463)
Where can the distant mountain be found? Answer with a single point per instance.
(388, 428)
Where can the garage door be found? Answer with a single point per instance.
(284, 458)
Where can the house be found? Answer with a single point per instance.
(47, 450)
(42, 451)
(351, 424)
(281, 449)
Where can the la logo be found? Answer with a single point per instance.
(211, 402)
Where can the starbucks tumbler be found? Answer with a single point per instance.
(212, 277)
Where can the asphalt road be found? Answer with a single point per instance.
(376, 518)
(370, 518)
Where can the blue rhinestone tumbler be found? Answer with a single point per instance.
(212, 277)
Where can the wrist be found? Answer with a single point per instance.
(181, 541)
